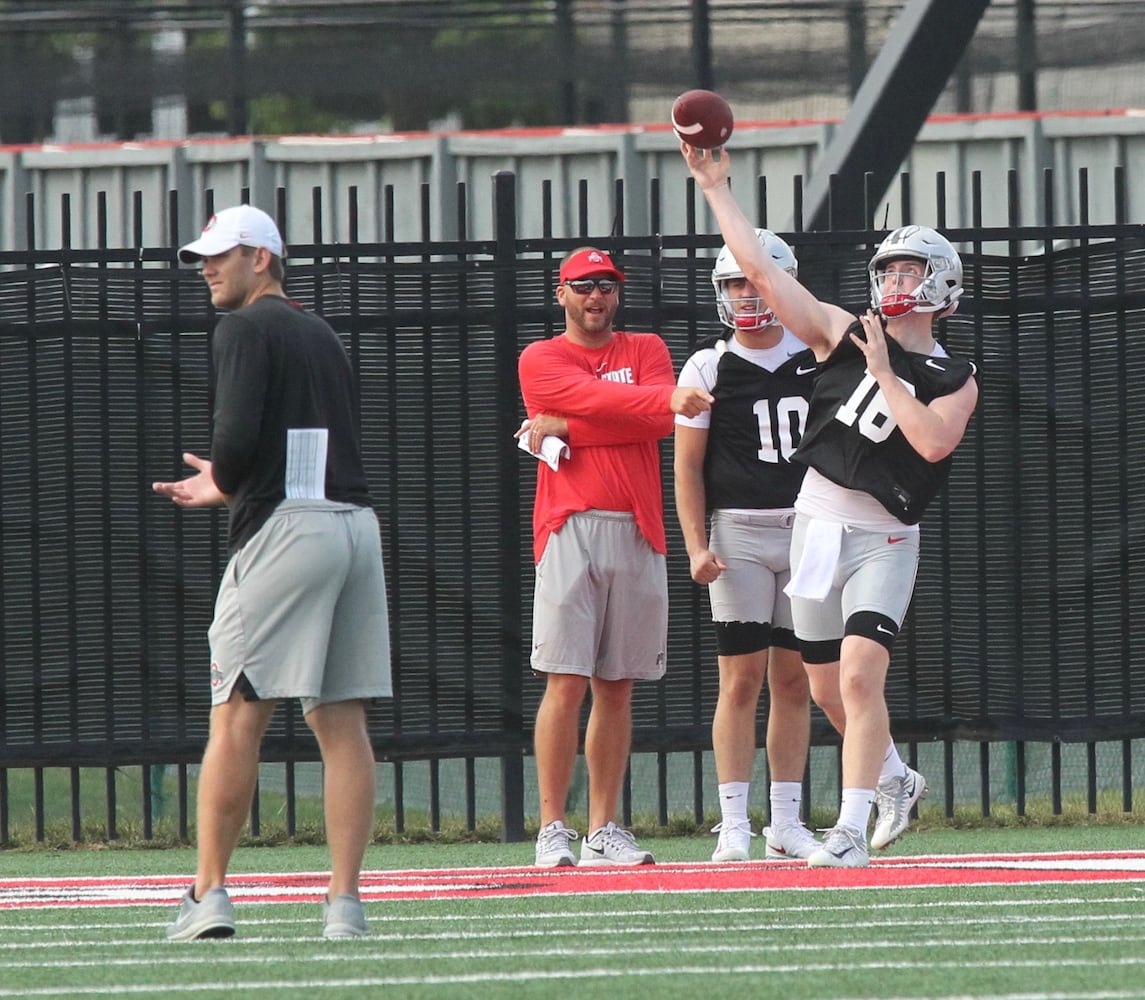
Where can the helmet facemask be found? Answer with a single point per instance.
(734, 313)
(899, 301)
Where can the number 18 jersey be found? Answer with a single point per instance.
(852, 438)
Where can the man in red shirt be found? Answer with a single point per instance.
(600, 608)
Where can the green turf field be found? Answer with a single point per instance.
(1082, 939)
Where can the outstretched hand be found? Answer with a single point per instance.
(710, 167)
(691, 401)
(198, 490)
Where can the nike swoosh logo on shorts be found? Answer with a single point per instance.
(883, 629)
(931, 363)
(891, 540)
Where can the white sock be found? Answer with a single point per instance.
(733, 799)
(786, 797)
(855, 808)
(893, 765)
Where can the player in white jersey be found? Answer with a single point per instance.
(888, 410)
(733, 465)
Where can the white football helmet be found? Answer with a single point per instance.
(727, 267)
(942, 281)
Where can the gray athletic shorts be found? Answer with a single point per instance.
(301, 611)
(873, 574)
(600, 604)
(756, 548)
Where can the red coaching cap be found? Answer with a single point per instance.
(586, 263)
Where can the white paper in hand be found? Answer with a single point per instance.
(553, 449)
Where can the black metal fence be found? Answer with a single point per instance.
(1031, 578)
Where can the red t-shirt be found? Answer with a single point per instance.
(616, 400)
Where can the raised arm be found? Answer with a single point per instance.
(819, 325)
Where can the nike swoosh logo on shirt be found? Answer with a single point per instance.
(800, 370)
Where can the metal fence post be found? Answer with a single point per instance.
(509, 499)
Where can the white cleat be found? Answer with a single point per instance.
(894, 800)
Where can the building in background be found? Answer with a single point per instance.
(75, 71)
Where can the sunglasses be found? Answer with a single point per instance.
(584, 286)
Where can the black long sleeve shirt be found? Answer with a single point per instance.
(279, 367)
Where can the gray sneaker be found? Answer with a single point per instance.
(210, 917)
(841, 848)
(894, 800)
(610, 845)
(344, 918)
(553, 846)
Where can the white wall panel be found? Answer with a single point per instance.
(997, 148)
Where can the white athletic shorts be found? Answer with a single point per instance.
(875, 572)
(600, 604)
(756, 547)
(301, 610)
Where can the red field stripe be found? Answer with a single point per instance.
(284, 887)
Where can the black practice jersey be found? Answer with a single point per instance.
(853, 440)
(757, 422)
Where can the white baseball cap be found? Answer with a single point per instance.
(242, 225)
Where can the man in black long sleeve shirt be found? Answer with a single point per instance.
(301, 611)
(279, 367)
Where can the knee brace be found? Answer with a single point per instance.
(784, 638)
(741, 638)
(874, 626)
(820, 650)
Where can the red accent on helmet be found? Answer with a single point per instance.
(897, 304)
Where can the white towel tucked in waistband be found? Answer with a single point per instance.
(815, 573)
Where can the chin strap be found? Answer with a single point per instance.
(754, 321)
(893, 306)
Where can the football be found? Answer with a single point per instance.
(702, 119)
